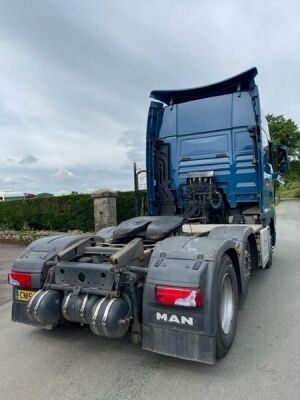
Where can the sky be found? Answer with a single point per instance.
(75, 78)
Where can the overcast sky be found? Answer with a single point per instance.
(75, 77)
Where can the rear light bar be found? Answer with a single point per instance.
(22, 279)
(176, 296)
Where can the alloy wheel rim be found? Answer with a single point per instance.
(226, 304)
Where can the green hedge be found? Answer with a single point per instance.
(129, 205)
(290, 193)
(65, 212)
(50, 213)
(291, 187)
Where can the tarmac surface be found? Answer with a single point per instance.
(71, 364)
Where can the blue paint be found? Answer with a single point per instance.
(207, 129)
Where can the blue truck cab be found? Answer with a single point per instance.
(217, 131)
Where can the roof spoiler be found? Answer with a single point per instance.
(241, 82)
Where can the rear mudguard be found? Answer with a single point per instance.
(36, 260)
(240, 234)
(192, 262)
(38, 254)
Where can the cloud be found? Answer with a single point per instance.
(28, 159)
(134, 140)
(65, 174)
(100, 171)
(9, 180)
(74, 85)
(16, 182)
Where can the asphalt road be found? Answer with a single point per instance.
(263, 364)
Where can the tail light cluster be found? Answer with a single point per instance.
(176, 296)
(22, 279)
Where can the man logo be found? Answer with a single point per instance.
(181, 320)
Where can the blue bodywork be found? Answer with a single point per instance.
(215, 128)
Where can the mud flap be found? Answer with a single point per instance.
(180, 344)
(19, 313)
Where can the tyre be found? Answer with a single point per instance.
(247, 268)
(227, 306)
(273, 234)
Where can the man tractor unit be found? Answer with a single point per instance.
(173, 279)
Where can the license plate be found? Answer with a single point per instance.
(24, 295)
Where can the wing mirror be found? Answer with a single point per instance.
(282, 159)
(279, 161)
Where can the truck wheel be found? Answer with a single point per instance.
(227, 293)
(273, 233)
(247, 267)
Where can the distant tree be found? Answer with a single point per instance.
(294, 170)
(285, 131)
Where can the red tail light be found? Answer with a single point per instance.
(175, 296)
(22, 279)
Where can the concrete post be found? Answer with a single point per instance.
(105, 208)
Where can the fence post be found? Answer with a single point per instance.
(105, 208)
(136, 173)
